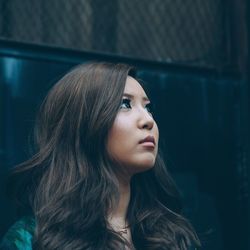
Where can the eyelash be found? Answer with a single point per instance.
(127, 103)
(149, 108)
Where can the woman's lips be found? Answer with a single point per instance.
(148, 144)
(148, 141)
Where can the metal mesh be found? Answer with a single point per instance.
(190, 31)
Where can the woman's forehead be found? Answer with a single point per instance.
(134, 88)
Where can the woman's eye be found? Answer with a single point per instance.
(148, 107)
(125, 104)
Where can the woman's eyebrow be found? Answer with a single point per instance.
(144, 98)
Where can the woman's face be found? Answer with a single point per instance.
(133, 138)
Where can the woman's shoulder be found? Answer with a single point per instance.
(19, 236)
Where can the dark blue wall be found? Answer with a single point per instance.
(197, 113)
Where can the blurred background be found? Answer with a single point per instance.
(193, 57)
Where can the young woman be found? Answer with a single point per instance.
(97, 180)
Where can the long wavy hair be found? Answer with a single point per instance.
(70, 183)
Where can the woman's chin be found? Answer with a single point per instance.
(143, 166)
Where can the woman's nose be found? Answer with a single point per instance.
(146, 120)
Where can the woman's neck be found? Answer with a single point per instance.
(117, 218)
(120, 212)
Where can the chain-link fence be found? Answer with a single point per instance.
(190, 31)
